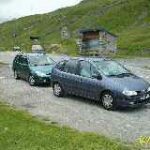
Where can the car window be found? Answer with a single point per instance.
(85, 69)
(61, 65)
(71, 66)
(17, 58)
(24, 61)
(40, 60)
(110, 68)
(94, 71)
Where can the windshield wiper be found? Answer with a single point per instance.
(47, 64)
(112, 75)
(126, 74)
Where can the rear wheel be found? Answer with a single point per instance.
(108, 101)
(58, 90)
(31, 80)
(16, 75)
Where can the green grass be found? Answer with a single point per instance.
(20, 131)
(128, 19)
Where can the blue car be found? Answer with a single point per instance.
(100, 79)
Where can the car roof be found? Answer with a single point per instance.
(55, 58)
(30, 54)
(91, 59)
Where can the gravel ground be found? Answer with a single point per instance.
(81, 114)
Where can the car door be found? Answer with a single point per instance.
(70, 76)
(87, 85)
(25, 70)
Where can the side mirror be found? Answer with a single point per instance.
(97, 76)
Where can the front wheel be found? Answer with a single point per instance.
(31, 80)
(58, 90)
(108, 101)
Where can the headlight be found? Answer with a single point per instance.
(148, 89)
(41, 74)
(129, 93)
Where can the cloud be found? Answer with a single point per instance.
(5, 1)
(20, 8)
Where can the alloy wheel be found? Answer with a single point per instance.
(108, 101)
(31, 81)
(57, 89)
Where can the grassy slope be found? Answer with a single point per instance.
(20, 131)
(127, 19)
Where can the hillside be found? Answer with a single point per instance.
(130, 20)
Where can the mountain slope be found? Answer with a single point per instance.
(130, 20)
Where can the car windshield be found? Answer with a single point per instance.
(111, 68)
(41, 60)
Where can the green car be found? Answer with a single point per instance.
(34, 68)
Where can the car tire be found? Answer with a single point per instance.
(31, 80)
(58, 90)
(108, 101)
(16, 75)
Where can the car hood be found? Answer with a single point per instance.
(132, 83)
(44, 69)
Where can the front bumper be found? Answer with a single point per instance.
(43, 80)
(134, 101)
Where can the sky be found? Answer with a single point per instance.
(10, 9)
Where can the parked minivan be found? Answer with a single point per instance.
(35, 68)
(100, 79)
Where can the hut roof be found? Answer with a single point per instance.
(83, 31)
